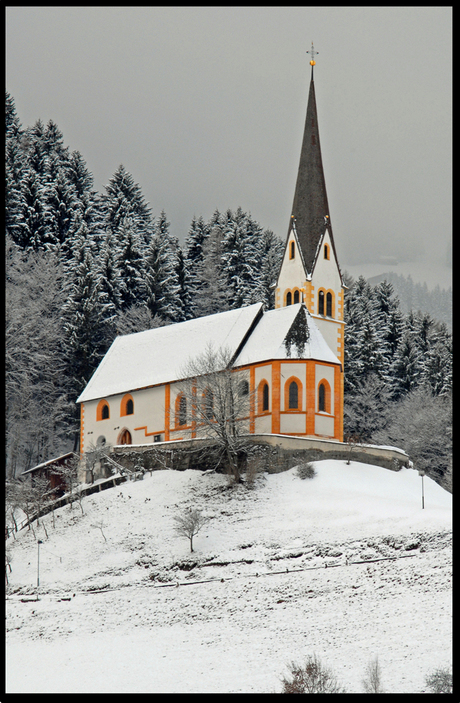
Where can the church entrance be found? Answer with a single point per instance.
(125, 437)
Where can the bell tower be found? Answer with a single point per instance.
(310, 271)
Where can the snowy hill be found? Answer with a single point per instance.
(125, 607)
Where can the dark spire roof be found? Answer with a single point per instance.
(310, 206)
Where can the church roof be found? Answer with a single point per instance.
(267, 339)
(158, 356)
(310, 209)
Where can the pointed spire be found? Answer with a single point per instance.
(310, 209)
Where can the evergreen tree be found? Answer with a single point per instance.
(130, 264)
(161, 277)
(193, 260)
(123, 199)
(88, 328)
(272, 249)
(241, 259)
(212, 297)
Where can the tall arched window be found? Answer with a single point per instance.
(293, 396)
(263, 397)
(324, 397)
(292, 250)
(105, 412)
(296, 297)
(289, 298)
(326, 251)
(243, 388)
(181, 410)
(208, 404)
(329, 304)
(321, 303)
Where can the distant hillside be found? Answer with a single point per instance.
(416, 296)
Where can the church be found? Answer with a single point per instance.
(290, 359)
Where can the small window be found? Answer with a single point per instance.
(208, 404)
(292, 250)
(130, 407)
(293, 396)
(296, 297)
(321, 303)
(157, 437)
(100, 441)
(243, 388)
(265, 397)
(289, 298)
(105, 412)
(102, 410)
(326, 251)
(322, 398)
(182, 416)
(329, 304)
(127, 405)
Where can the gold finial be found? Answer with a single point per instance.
(313, 53)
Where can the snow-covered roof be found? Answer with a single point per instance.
(158, 356)
(267, 340)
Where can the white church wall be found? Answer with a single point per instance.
(330, 331)
(324, 425)
(293, 423)
(263, 424)
(292, 274)
(298, 370)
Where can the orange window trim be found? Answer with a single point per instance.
(124, 403)
(260, 397)
(327, 398)
(167, 410)
(286, 395)
(100, 406)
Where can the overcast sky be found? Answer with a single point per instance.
(205, 106)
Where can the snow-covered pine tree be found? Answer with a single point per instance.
(130, 256)
(193, 259)
(161, 274)
(88, 318)
(123, 198)
(272, 249)
(241, 259)
(212, 296)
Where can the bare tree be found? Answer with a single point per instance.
(372, 682)
(189, 523)
(217, 401)
(440, 681)
(313, 677)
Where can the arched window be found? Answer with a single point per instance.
(263, 397)
(208, 404)
(181, 410)
(102, 410)
(100, 441)
(127, 405)
(329, 304)
(326, 251)
(243, 388)
(288, 298)
(321, 303)
(293, 396)
(296, 297)
(324, 397)
(124, 437)
(292, 250)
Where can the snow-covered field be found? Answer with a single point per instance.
(139, 613)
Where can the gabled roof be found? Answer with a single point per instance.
(267, 340)
(310, 209)
(158, 356)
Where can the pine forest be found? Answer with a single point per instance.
(83, 267)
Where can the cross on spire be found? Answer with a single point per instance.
(312, 53)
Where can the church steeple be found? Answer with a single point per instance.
(310, 209)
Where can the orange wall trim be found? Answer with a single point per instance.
(82, 426)
(276, 396)
(167, 410)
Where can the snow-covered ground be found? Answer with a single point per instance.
(139, 613)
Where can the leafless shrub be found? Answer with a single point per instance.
(372, 682)
(313, 677)
(440, 681)
(189, 523)
(306, 470)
